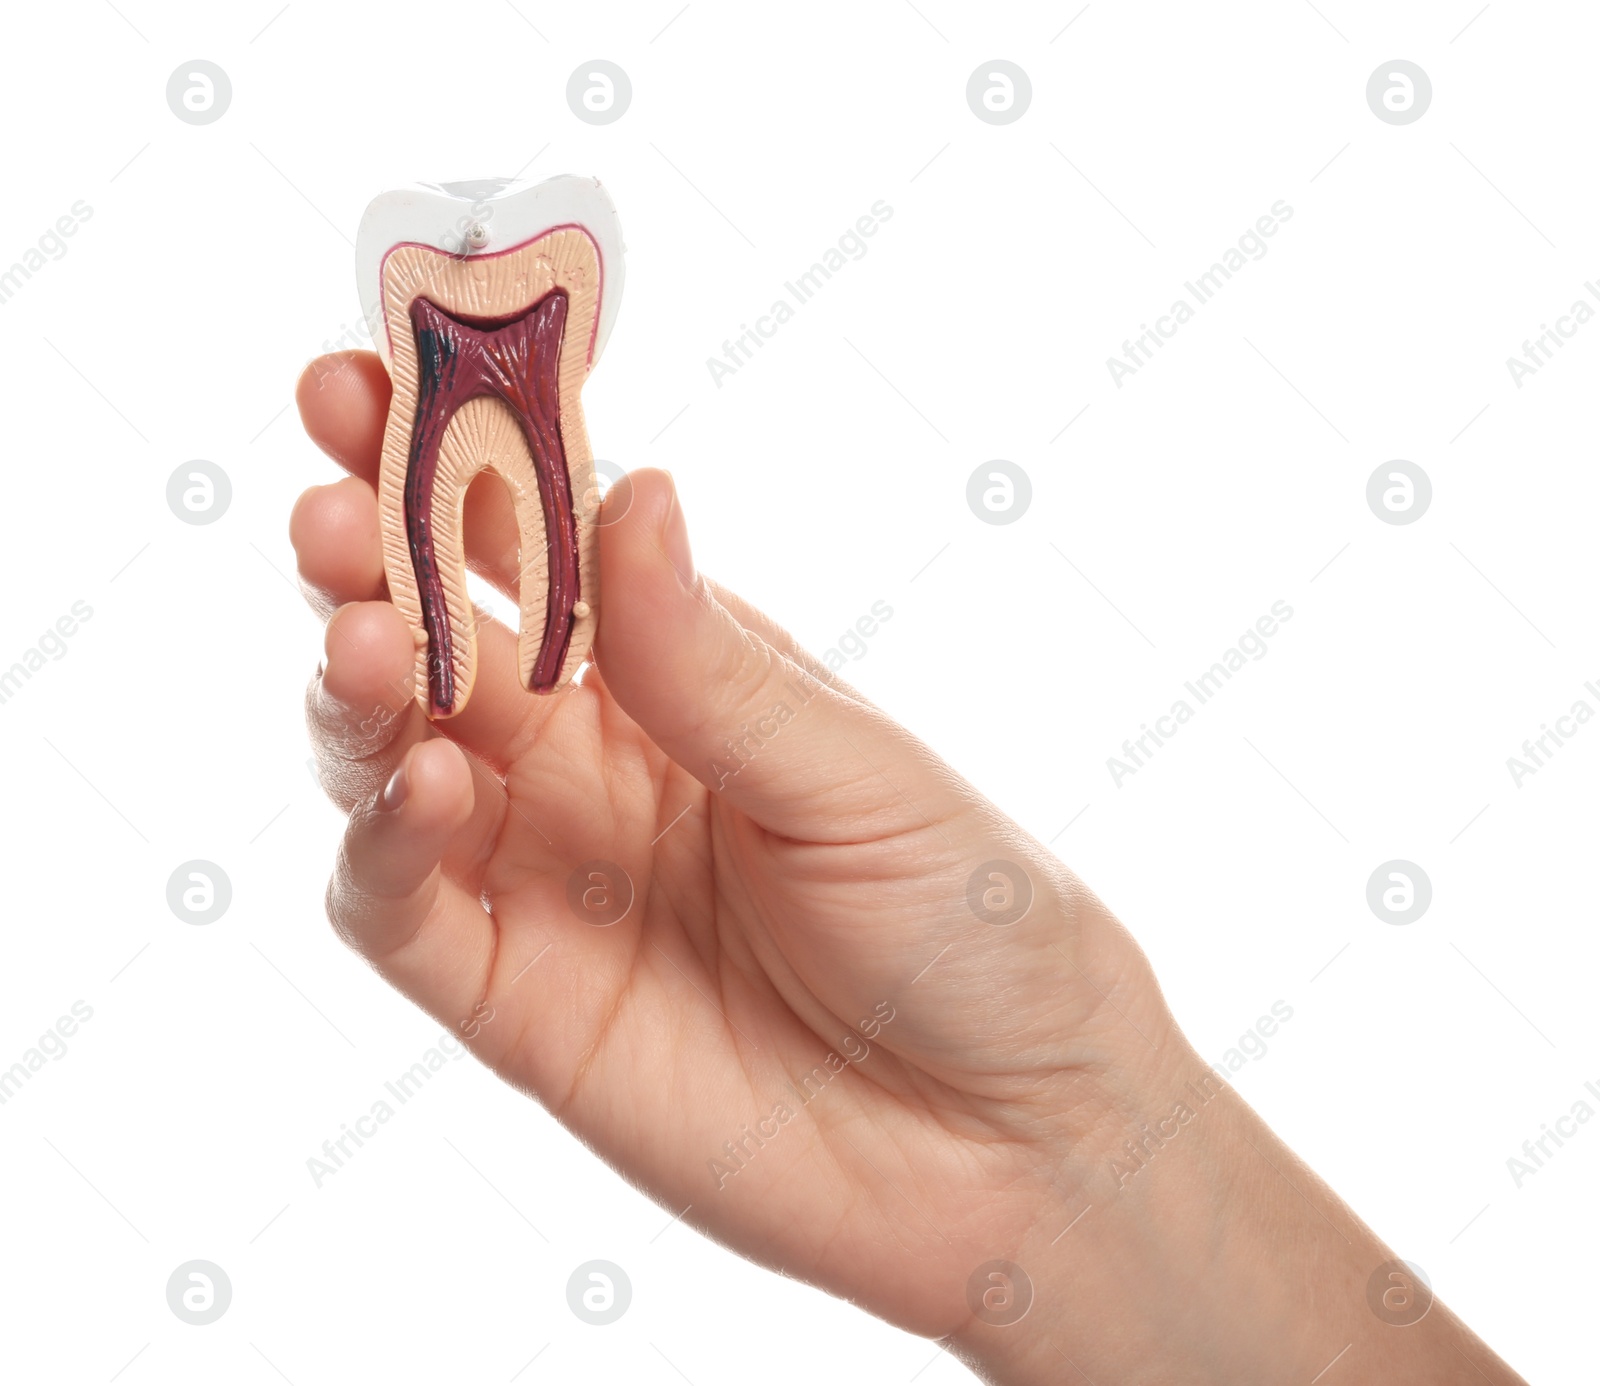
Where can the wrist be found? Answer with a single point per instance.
(1194, 1246)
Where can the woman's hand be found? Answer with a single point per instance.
(778, 964)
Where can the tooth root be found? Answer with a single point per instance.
(488, 355)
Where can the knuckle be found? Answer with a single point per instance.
(343, 733)
(742, 669)
(333, 904)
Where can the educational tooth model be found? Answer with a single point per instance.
(489, 302)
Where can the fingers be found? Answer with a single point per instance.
(334, 530)
(361, 711)
(734, 709)
(343, 401)
(344, 405)
(390, 897)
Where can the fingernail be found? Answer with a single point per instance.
(675, 539)
(394, 793)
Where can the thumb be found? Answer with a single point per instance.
(777, 739)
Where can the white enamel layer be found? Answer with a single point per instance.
(512, 212)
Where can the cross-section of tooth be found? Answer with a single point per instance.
(489, 303)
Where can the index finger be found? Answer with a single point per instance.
(344, 406)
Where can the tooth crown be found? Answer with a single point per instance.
(487, 351)
(439, 215)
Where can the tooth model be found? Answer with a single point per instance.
(489, 302)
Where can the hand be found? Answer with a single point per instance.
(820, 1020)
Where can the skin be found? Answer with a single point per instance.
(794, 894)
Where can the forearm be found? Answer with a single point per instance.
(1210, 1253)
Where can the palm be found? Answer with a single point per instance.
(743, 961)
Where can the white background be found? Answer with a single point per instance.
(828, 474)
